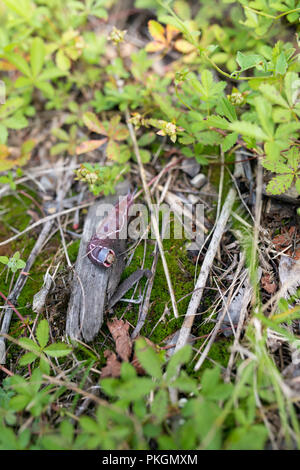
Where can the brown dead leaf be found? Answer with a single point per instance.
(89, 145)
(119, 330)
(288, 238)
(113, 366)
(268, 284)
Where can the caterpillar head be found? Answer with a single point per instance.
(101, 255)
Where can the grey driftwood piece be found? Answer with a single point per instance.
(92, 285)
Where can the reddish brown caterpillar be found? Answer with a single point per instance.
(102, 249)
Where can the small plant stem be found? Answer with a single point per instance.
(261, 13)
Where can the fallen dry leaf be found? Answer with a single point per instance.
(268, 284)
(119, 330)
(285, 239)
(113, 366)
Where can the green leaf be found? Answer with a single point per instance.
(11, 105)
(17, 121)
(159, 405)
(127, 371)
(135, 389)
(210, 380)
(148, 358)
(179, 358)
(291, 87)
(60, 134)
(27, 343)
(46, 88)
(248, 61)
(44, 366)
(293, 157)
(27, 358)
(287, 130)
(208, 89)
(42, 333)
(264, 111)
(23, 82)
(20, 264)
(281, 64)
(22, 8)
(4, 259)
(58, 350)
(51, 74)
(279, 184)
(275, 166)
(59, 148)
(93, 124)
(273, 95)
(248, 129)
(113, 150)
(3, 134)
(37, 56)
(19, 62)
(225, 108)
(100, 13)
(19, 402)
(245, 438)
(145, 156)
(229, 141)
(185, 383)
(272, 150)
(281, 115)
(217, 121)
(62, 61)
(146, 139)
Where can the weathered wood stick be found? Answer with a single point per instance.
(93, 285)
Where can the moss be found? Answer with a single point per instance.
(181, 271)
(73, 250)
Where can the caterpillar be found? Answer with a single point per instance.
(103, 247)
